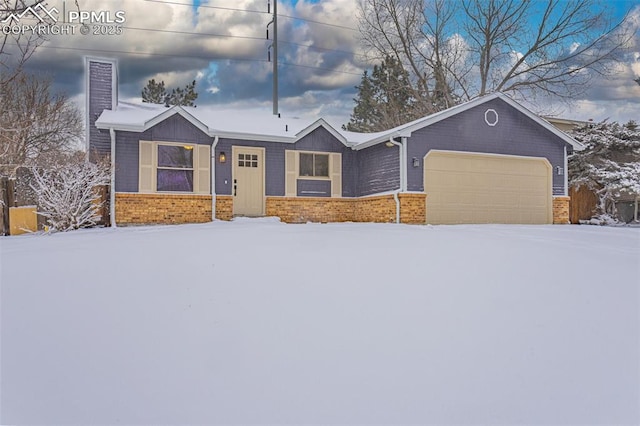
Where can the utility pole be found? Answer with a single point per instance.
(274, 21)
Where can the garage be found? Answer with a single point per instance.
(464, 187)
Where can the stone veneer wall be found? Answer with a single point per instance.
(561, 210)
(135, 208)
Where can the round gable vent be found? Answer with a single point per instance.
(491, 117)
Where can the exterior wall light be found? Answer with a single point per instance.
(416, 162)
(223, 157)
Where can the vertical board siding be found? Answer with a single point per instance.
(378, 169)
(100, 98)
(514, 134)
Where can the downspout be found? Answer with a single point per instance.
(213, 177)
(112, 192)
(397, 191)
(566, 173)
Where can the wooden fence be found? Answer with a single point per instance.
(7, 199)
(18, 193)
(583, 204)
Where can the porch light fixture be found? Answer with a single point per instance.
(223, 157)
(416, 162)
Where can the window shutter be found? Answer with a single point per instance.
(291, 173)
(335, 172)
(146, 172)
(202, 170)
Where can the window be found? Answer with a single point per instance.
(316, 165)
(320, 166)
(174, 167)
(247, 160)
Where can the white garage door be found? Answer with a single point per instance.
(487, 188)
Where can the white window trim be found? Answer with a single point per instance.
(328, 154)
(201, 185)
(334, 177)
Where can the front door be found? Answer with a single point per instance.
(248, 181)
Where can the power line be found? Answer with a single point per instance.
(208, 7)
(207, 58)
(309, 46)
(255, 11)
(319, 22)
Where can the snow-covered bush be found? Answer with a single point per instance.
(67, 194)
(609, 165)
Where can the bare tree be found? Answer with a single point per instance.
(16, 47)
(34, 123)
(459, 50)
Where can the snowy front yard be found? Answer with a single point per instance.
(255, 321)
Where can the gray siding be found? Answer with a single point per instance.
(379, 169)
(314, 188)
(174, 129)
(100, 98)
(318, 140)
(274, 165)
(321, 140)
(515, 134)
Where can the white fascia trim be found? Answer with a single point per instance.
(251, 137)
(102, 125)
(407, 129)
(143, 126)
(176, 110)
(322, 123)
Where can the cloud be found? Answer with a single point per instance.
(222, 45)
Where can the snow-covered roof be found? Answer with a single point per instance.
(263, 126)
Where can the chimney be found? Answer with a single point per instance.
(101, 92)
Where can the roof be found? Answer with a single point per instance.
(259, 125)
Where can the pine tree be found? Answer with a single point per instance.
(363, 119)
(185, 97)
(156, 93)
(609, 165)
(384, 100)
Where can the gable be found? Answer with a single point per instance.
(178, 128)
(320, 139)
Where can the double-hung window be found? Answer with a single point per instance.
(174, 167)
(307, 166)
(314, 165)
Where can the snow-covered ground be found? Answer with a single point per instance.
(255, 321)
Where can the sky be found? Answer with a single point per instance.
(222, 45)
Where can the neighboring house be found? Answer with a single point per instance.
(489, 160)
(565, 124)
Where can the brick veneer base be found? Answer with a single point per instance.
(134, 208)
(561, 210)
(381, 208)
(224, 207)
